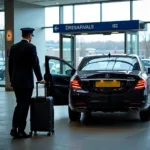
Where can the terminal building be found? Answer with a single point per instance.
(72, 30)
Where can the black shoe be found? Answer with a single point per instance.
(14, 133)
(23, 135)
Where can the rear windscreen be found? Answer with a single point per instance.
(112, 63)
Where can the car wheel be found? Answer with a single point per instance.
(88, 114)
(73, 115)
(144, 115)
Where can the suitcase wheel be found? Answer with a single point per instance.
(53, 131)
(30, 133)
(49, 133)
(35, 132)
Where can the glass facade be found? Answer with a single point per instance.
(51, 39)
(2, 24)
(87, 13)
(1, 5)
(2, 45)
(117, 11)
(96, 12)
(52, 42)
(68, 14)
(140, 12)
(52, 16)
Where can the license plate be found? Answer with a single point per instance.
(107, 84)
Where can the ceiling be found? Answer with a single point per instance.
(63, 2)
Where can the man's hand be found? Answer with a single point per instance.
(42, 82)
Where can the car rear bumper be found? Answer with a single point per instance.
(132, 100)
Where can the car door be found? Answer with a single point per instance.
(58, 73)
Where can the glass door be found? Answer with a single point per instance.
(67, 48)
(131, 43)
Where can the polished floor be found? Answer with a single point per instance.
(117, 131)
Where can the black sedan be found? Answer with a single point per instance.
(107, 83)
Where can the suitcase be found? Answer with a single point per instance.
(42, 113)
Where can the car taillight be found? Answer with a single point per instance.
(140, 85)
(75, 84)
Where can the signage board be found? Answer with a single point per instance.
(112, 26)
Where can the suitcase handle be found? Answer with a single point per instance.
(45, 87)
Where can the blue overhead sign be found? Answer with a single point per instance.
(133, 25)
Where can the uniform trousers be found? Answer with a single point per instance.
(23, 99)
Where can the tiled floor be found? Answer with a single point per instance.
(117, 131)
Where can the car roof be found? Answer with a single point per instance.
(146, 59)
(117, 55)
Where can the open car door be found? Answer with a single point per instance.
(58, 73)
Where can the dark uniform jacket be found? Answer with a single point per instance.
(23, 60)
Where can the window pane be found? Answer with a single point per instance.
(116, 11)
(55, 67)
(67, 49)
(2, 5)
(2, 58)
(52, 43)
(141, 5)
(51, 16)
(87, 13)
(2, 45)
(68, 14)
(144, 37)
(2, 24)
(144, 44)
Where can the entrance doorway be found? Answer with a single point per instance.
(96, 44)
(74, 47)
(67, 48)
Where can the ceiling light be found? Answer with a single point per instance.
(115, 32)
(84, 33)
(57, 3)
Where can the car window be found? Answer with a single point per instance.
(142, 64)
(146, 62)
(2, 63)
(58, 67)
(112, 63)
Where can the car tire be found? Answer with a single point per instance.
(144, 115)
(88, 114)
(73, 115)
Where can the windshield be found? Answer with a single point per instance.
(112, 63)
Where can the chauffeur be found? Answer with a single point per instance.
(23, 61)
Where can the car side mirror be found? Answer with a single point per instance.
(69, 72)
